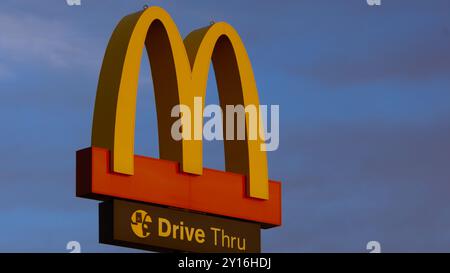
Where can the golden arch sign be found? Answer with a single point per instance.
(179, 71)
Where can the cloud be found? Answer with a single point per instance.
(31, 38)
(361, 164)
(5, 73)
(349, 183)
(56, 227)
(357, 44)
(407, 60)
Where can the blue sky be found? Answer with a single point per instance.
(364, 97)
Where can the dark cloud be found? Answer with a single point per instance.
(357, 164)
(355, 44)
(410, 60)
(349, 183)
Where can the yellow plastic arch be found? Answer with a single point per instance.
(180, 72)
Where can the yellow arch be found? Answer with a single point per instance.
(180, 72)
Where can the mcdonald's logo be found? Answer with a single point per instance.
(110, 169)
